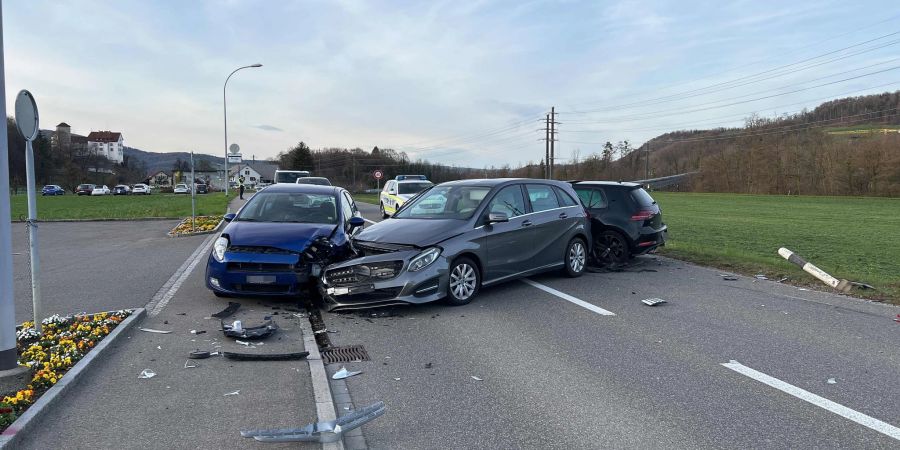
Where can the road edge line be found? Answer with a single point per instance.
(321, 389)
(816, 400)
(569, 298)
(161, 298)
(31, 416)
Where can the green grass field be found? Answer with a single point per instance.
(366, 198)
(68, 207)
(849, 237)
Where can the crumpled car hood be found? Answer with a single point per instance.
(294, 237)
(415, 232)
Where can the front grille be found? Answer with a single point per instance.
(263, 288)
(378, 248)
(349, 353)
(259, 249)
(262, 267)
(363, 273)
(378, 294)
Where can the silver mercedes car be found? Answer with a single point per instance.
(455, 237)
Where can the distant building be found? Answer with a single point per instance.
(254, 172)
(160, 179)
(62, 140)
(110, 144)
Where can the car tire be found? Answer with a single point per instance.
(618, 253)
(465, 281)
(575, 258)
(384, 214)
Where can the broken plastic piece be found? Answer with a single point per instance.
(199, 354)
(245, 344)
(259, 332)
(652, 301)
(729, 278)
(151, 330)
(198, 331)
(237, 392)
(188, 365)
(232, 307)
(147, 373)
(324, 432)
(832, 381)
(761, 277)
(476, 378)
(265, 357)
(897, 319)
(344, 373)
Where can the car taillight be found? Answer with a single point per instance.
(643, 215)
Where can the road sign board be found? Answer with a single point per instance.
(234, 149)
(378, 174)
(26, 115)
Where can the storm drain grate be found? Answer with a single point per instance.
(349, 353)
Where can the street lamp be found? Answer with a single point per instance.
(225, 111)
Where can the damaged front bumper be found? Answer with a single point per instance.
(383, 280)
(260, 274)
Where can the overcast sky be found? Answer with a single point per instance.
(459, 82)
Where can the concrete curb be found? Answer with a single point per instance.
(321, 388)
(23, 424)
(114, 219)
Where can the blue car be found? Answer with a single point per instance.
(52, 189)
(280, 241)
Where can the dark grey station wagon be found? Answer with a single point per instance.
(455, 237)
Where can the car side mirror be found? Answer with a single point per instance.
(356, 222)
(495, 217)
(229, 217)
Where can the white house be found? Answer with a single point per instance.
(110, 144)
(254, 172)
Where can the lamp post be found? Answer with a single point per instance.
(225, 111)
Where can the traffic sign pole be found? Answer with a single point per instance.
(27, 123)
(9, 358)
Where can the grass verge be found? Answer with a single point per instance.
(366, 198)
(849, 237)
(72, 207)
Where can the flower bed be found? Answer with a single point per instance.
(202, 224)
(64, 342)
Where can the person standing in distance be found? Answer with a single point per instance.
(241, 186)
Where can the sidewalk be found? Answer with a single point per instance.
(185, 407)
(236, 203)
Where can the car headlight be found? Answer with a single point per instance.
(219, 248)
(424, 259)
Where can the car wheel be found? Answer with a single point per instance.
(384, 214)
(576, 258)
(611, 248)
(464, 281)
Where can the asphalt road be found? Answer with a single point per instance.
(555, 374)
(97, 266)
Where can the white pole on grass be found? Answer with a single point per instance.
(9, 358)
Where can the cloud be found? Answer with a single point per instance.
(267, 127)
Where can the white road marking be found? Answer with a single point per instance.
(168, 290)
(569, 298)
(841, 410)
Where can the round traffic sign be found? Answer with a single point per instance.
(26, 115)
(234, 148)
(378, 174)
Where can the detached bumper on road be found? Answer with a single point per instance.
(382, 280)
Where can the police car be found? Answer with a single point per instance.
(399, 190)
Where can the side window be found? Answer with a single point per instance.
(592, 198)
(509, 201)
(542, 197)
(564, 198)
(351, 202)
(346, 209)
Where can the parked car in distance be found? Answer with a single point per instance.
(100, 190)
(52, 189)
(181, 188)
(458, 236)
(202, 188)
(280, 241)
(140, 188)
(289, 176)
(121, 189)
(321, 181)
(85, 189)
(396, 192)
(625, 220)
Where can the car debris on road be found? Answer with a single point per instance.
(324, 432)
(237, 330)
(151, 330)
(232, 307)
(344, 373)
(653, 301)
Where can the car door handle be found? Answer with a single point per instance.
(526, 223)
(563, 215)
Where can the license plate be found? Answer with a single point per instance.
(261, 279)
(351, 290)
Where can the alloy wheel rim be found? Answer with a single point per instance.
(577, 257)
(462, 281)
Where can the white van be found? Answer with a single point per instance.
(289, 176)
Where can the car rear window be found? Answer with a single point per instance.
(413, 188)
(642, 197)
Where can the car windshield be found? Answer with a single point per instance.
(413, 188)
(445, 202)
(290, 207)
